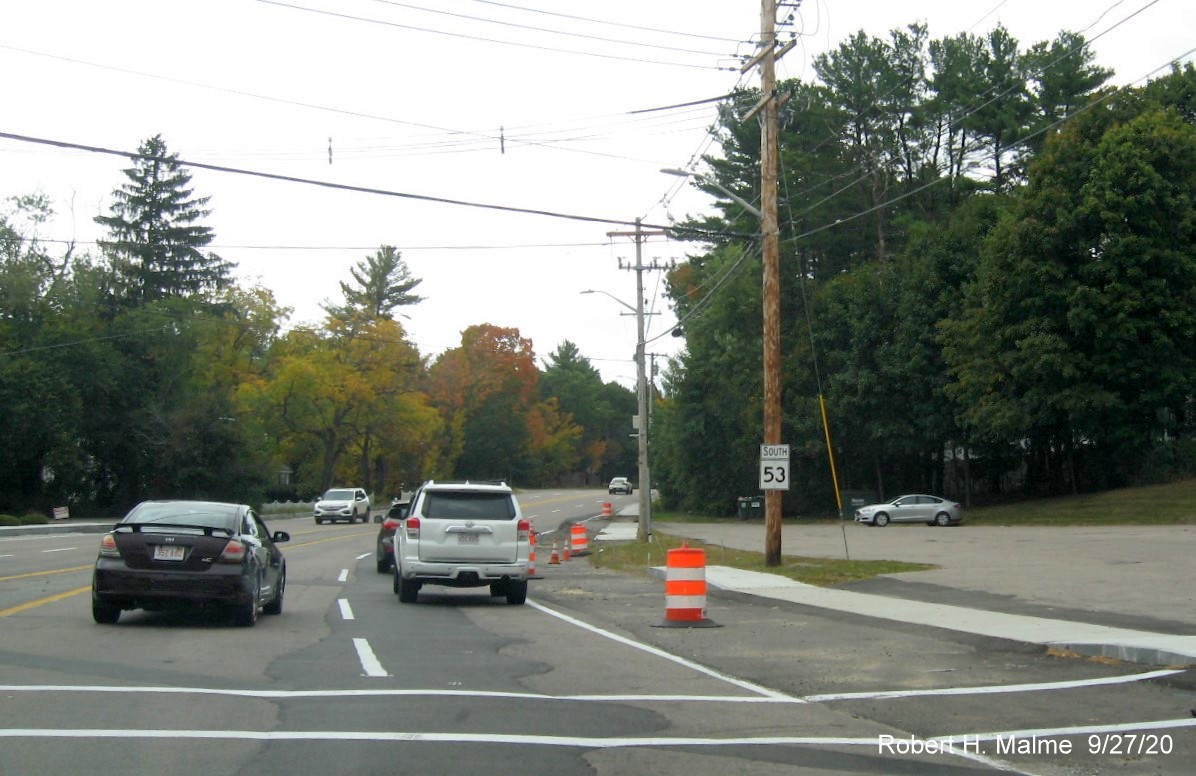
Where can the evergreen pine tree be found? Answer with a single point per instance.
(155, 239)
(381, 283)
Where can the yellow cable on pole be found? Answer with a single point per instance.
(830, 452)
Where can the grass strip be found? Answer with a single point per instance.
(638, 557)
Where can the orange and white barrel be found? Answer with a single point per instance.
(606, 509)
(685, 585)
(579, 540)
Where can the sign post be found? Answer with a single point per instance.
(774, 467)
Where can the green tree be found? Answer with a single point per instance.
(1064, 79)
(1074, 339)
(602, 414)
(487, 389)
(382, 283)
(155, 235)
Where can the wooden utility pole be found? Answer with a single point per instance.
(767, 108)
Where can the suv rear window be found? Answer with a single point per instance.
(461, 505)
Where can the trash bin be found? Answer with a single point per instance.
(749, 507)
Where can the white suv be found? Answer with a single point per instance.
(348, 504)
(463, 534)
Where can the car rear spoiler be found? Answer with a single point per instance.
(206, 529)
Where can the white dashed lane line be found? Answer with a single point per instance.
(61, 549)
(346, 610)
(369, 663)
(344, 576)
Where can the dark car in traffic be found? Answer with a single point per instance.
(172, 555)
(384, 552)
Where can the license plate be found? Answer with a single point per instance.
(467, 538)
(169, 552)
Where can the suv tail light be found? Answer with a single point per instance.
(525, 530)
(391, 525)
(412, 525)
(108, 547)
(234, 552)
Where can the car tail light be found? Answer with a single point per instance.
(525, 531)
(412, 525)
(108, 547)
(234, 552)
(391, 525)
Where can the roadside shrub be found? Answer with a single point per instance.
(9, 520)
(284, 508)
(34, 518)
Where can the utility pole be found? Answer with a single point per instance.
(641, 384)
(767, 108)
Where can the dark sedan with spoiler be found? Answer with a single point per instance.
(185, 554)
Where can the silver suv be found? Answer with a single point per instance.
(463, 534)
(351, 504)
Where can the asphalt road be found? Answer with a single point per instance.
(579, 681)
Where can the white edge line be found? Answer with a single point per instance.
(470, 738)
(741, 683)
(346, 610)
(369, 663)
(613, 698)
(287, 694)
(993, 689)
(566, 741)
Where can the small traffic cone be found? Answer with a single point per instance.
(567, 554)
(555, 558)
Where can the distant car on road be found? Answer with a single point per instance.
(184, 554)
(619, 485)
(914, 508)
(351, 504)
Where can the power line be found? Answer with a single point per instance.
(544, 29)
(484, 139)
(479, 38)
(347, 187)
(612, 24)
(80, 342)
(401, 248)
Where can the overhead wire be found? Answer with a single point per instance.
(565, 33)
(341, 186)
(489, 138)
(478, 38)
(609, 23)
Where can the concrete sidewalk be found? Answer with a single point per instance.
(1151, 647)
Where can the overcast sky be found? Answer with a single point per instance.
(426, 98)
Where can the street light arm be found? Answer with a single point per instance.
(612, 296)
(715, 184)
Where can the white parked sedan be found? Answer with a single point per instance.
(915, 508)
